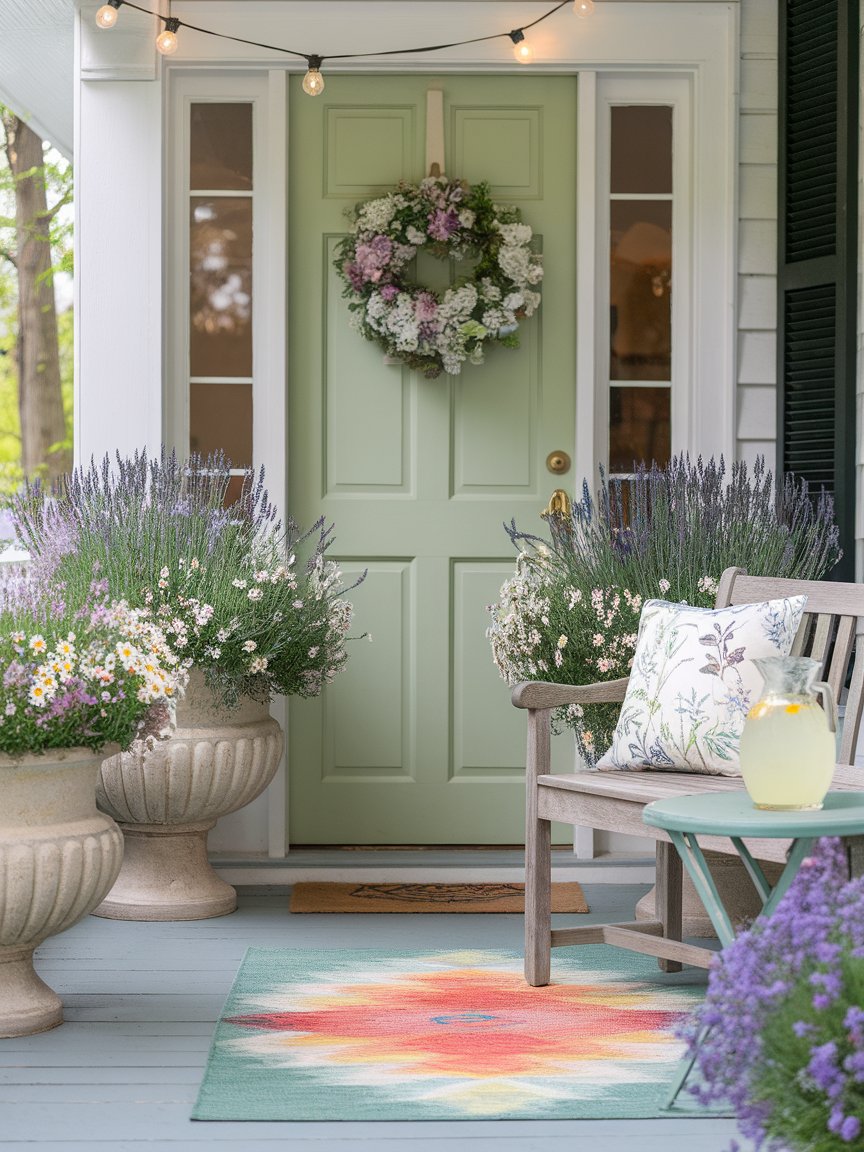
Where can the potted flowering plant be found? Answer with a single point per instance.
(72, 684)
(255, 610)
(570, 614)
(784, 1014)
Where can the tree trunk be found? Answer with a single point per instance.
(40, 400)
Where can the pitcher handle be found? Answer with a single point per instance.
(829, 703)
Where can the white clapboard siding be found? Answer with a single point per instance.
(757, 358)
(757, 192)
(757, 140)
(750, 450)
(757, 303)
(756, 381)
(757, 409)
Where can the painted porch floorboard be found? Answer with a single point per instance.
(141, 1001)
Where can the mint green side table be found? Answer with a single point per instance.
(732, 814)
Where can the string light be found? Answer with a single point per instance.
(522, 50)
(106, 17)
(313, 81)
(166, 42)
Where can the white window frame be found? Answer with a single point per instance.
(266, 91)
(703, 377)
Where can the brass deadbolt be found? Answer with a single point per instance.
(559, 505)
(558, 462)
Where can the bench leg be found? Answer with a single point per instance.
(669, 889)
(538, 902)
(538, 854)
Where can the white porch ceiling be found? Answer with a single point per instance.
(36, 66)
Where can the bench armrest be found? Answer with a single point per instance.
(542, 694)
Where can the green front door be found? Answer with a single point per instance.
(416, 742)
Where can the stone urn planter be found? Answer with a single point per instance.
(59, 856)
(734, 886)
(167, 800)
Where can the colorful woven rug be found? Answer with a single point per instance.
(329, 897)
(375, 1035)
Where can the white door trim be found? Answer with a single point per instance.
(698, 40)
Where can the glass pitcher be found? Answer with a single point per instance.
(788, 745)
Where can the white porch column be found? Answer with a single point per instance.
(118, 239)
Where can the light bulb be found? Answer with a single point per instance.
(583, 8)
(313, 81)
(522, 50)
(106, 17)
(166, 42)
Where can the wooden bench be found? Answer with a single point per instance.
(613, 801)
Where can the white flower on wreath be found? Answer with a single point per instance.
(432, 331)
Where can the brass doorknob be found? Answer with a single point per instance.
(559, 505)
(558, 462)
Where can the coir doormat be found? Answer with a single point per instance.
(329, 897)
(436, 1035)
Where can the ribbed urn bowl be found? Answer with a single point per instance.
(167, 800)
(59, 856)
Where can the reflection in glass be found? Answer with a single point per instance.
(220, 147)
(220, 420)
(234, 491)
(220, 289)
(641, 150)
(639, 427)
(640, 280)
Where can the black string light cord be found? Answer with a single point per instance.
(314, 60)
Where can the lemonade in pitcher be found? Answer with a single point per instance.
(788, 745)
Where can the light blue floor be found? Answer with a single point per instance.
(141, 1000)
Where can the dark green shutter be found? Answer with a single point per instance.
(817, 240)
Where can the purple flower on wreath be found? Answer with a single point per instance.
(389, 292)
(443, 224)
(355, 276)
(425, 307)
(371, 259)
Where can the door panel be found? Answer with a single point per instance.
(417, 742)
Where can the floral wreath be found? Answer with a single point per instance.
(430, 331)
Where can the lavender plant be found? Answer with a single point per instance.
(570, 613)
(785, 1016)
(260, 609)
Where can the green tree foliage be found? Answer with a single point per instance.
(57, 175)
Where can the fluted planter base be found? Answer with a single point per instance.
(58, 859)
(167, 799)
(166, 876)
(27, 1004)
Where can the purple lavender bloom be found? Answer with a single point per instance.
(746, 1058)
(850, 1129)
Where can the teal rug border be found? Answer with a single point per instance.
(271, 1106)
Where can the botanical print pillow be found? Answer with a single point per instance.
(693, 682)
